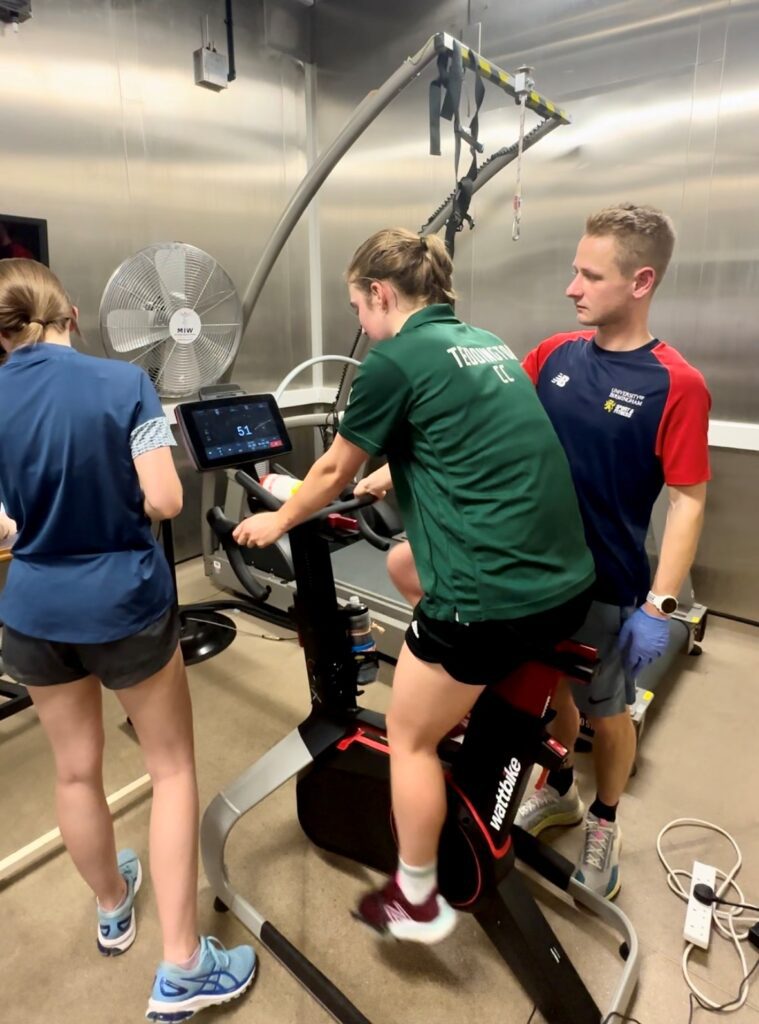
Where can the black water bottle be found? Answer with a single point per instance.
(363, 647)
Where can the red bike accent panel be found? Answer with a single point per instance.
(530, 687)
(360, 736)
(497, 851)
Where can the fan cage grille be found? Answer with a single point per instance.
(143, 294)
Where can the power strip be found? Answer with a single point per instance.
(698, 916)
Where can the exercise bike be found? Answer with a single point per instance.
(340, 756)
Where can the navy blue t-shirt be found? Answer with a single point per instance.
(86, 567)
(629, 422)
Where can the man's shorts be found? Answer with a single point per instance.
(609, 692)
(118, 664)
(483, 653)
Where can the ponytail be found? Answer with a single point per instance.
(31, 300)
(418, 265)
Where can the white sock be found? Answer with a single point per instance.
(192, 963)
(120, 904)
(416, 883)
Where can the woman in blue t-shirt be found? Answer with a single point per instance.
(85, 464)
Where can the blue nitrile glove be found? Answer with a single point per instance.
(642, 639)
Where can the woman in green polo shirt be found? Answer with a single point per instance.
(490, 512)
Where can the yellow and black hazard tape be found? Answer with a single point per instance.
(540, 104)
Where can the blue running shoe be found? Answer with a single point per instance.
(221, 975)
(117, 929)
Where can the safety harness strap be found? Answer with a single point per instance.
(462, 196)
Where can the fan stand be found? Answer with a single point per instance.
(206, 633)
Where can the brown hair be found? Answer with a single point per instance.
(418, 266)
(31, 299)
(644, 236)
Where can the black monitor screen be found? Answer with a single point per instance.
(231, 431)
(23, 238)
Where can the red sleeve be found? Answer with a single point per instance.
(534, 361)
(682, 441)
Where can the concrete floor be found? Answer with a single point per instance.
(697, 759)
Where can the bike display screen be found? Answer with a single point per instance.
(225, 432)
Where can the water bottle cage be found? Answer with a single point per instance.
(367, 665)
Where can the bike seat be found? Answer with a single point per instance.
(532, 684)
(577, 660)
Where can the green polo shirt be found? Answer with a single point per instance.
(482, 481)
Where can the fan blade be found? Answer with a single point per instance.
(211, 302)
(170, 265)
(200, 279)
(150, 351)
(180, 375)
(217, 352)
(130, 329)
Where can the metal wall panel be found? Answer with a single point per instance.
(726, 574)
(104, 133)
(665, 100)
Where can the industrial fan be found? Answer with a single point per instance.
(172, 310)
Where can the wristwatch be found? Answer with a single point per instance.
(665, 603)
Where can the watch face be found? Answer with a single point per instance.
(668, 605)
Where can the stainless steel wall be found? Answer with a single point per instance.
(104, 133)
(665, 100)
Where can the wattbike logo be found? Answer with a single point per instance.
(505, 792)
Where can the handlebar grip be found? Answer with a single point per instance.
(340, 506)
(255, 490)
(354, 505)
(223, 528)
(368, 533)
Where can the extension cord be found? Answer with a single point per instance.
(729, 923)
(698, 916)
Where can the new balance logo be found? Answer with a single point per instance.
(560, 380)
(505, 792)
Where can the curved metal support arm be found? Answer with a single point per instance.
(372, 105)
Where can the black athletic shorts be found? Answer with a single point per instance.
(118, 664)
(482, 653)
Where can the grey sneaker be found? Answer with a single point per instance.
(599, 867)
(545, 809)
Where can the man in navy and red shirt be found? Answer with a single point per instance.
(632, 416)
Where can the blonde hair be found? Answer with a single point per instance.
(31, 299)
(644, 236)
(419, 266)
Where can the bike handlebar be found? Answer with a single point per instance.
(267, 499)
(224, 527)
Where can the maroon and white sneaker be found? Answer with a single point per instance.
(388, 910)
